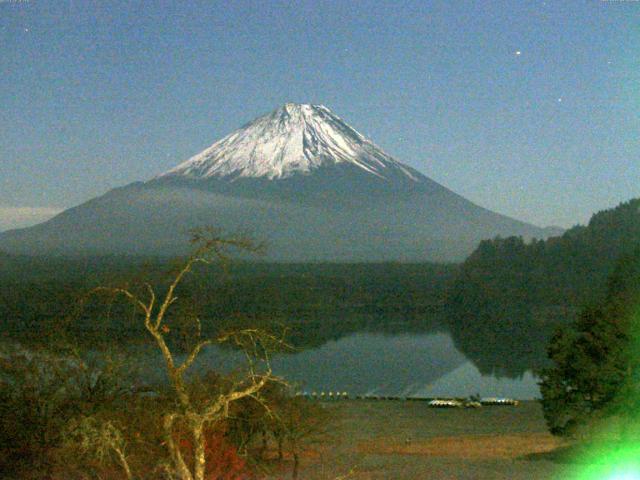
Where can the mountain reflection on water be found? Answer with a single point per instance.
(385, 364)
(398, 355)
(408, 365)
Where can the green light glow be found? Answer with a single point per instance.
(614, 450)
(625, 476)
(609, 461)
(619, 459)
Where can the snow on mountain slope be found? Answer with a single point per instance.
(294, 139)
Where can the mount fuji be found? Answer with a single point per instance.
(299, 178)
(295, 139)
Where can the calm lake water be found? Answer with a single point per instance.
(408, 364)
(421, 365)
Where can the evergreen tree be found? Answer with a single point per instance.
(596, 361)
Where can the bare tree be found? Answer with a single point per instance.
(190, 413)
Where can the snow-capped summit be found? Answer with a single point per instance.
(294, 139)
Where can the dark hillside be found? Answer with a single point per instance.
(513, 293)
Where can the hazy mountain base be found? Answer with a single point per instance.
(305, 218)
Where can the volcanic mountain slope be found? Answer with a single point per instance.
(300, 179)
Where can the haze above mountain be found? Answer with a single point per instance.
(299, 178)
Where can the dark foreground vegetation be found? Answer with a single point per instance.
(596, 361)
(64, 418)
(69, 412)
(37, 290)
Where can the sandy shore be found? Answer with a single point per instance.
(409, 440)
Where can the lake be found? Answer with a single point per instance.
(405, 364)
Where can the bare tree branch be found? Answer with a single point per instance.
(192, 356)
(123, 291)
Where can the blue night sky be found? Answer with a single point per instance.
(98, 94)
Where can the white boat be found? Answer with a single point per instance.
(445, 403)
(499, 401)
